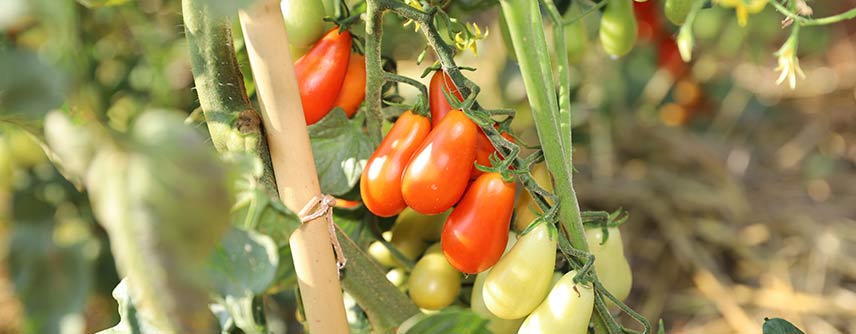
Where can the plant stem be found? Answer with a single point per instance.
(232, 121)
(374, 71)
(850, 14)
(526, 28)
(564, 78)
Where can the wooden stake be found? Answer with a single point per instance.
(293, 163)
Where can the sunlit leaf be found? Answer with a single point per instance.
(449, 320)
(780, 326)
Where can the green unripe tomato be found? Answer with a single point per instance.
(676, 10)
(609, 262)
(304, 24)
(567, 309)
(434, 283)
(521, 279)
(618, 27)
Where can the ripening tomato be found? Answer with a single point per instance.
(477, 230)
(354, 87)
(434, 283)
(440, 83)
(518, 283)
(669, 58)
(320, 73)
(438, 173)
(648, 21)
(677, 10)
(567, 309)
(484, 149)
(380, 183)
(618, 27)
(525, 215)
(495, 324)
(610, 264)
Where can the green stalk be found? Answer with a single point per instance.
(374, 71)
(847, 15)
(564, 78)
(527, 28)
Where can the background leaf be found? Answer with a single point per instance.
(29, 87)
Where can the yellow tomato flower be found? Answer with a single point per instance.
(743, 8)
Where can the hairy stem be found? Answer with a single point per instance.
(232, 121)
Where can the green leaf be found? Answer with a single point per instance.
(243, 266)
(244, 263)
(52, 280)
(256, 210)
(450, 320)
(131, 319)
(29, 87)
(340, 149)
(780, 326)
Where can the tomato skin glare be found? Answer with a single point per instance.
(439, 171)
(380, 182)
(476, 232)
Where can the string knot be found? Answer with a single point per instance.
(321, 206)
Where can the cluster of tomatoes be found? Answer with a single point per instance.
(429, 166)
(329, 76)
(423, 171)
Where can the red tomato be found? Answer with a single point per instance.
(354, 87)
(484, 149)
(476, 231)
(669, 58)
(650, 28)
(438, 173)
(380, 183)
(439, 105)
(320, 73)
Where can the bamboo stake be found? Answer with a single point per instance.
(293, 164)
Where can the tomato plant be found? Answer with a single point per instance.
(477, 229)
(239, 177)
(439, 170)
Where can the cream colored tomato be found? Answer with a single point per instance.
(521, 279)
